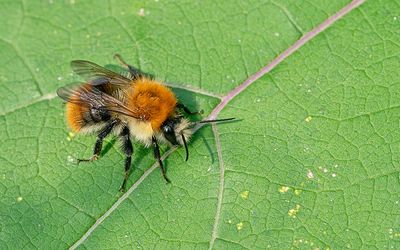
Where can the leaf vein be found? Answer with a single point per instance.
(297, 45)
(224, 101)
(221, 186)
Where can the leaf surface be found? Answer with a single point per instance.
(313, 162)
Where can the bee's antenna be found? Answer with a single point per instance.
(186, 148)
(217, 120)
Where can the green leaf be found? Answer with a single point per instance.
(312, 163)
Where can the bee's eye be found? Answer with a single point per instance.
(169, 133)
(167, 129)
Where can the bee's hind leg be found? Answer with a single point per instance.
(158, 157)
(128, 150)
(99, 142)
(135, 72)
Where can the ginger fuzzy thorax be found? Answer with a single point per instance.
(151, 101)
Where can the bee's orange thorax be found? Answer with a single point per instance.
(152, 101)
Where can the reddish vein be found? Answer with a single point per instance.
(225, 100)
(307, 37)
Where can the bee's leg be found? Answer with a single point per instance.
(135, 72)
(132, 70)
(158, 157)
(99, 142)
(187, 111)
(128, 150)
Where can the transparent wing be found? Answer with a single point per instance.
(97, 75)
(90, 96)
(83, 94)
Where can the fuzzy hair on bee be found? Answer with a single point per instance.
(130, 106)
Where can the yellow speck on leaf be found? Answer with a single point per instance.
(239, 226)
(308, 119)
(283, 189)
(70, 136)
(244, 194)
(293, 212)
(297, 192)
(19, 199)
(141, 12)
(310, 174)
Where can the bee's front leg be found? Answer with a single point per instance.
(128, 150)
(158, 157)
(187, 110)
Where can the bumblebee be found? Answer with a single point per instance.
(131, 106)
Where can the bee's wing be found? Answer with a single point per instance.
(94, 98)
(97, 75)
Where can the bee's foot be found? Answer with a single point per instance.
(93, 158)
(122, 189)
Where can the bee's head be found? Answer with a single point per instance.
(177, 131)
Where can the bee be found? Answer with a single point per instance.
(130, 106)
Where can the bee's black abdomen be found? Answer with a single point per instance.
(96, 115)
